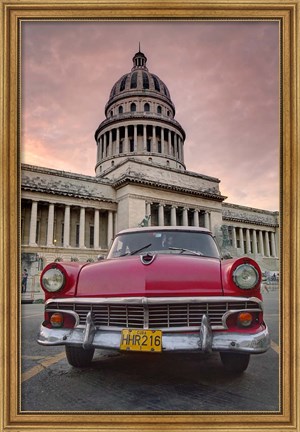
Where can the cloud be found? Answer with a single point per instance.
(223, 80)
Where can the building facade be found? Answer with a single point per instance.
(141, 179)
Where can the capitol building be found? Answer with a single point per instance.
(141, 179)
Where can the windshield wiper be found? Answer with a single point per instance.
(140, 249)
(186, 250)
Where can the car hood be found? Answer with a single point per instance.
(166, 275)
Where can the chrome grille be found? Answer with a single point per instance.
(154, 316)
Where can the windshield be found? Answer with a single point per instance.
(167, 242)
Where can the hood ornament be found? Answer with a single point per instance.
(147, 258)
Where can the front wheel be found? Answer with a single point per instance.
(235, 362)
(79, 357)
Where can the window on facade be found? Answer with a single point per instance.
(91, 236)
(145, 81)
(133, 107)
(159, 109)
(149, 145)
(159, 147)
(120, 109)
(62, 233)
(166, 92)
(111, 113)
(37, 233)
(146, 107)
(133, 83)
(121, 147)
(123, 82)
(77, 236)
(156, 83)
(131, 145)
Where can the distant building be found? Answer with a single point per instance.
(141, 179)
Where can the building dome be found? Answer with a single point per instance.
(139, 122)
(139, 79)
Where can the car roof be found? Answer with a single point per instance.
(164, 228)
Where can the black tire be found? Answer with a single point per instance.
(79, 357)
(235, 362)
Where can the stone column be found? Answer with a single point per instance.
(248, 241)
(206, 220)
(179, 148)
(169, 143)
(96, 229)
(261, 243)
(110, 228)
(185, 221)
(162, 139)
(254, 242)
(161, 215)
(242, 240)
(50, 227)
(126, 142)
(33, 224)
(273, 245)
(196, 218)
(145, 137)
(82, 228)
(234, 242)
(110, 152)
(118, 141)
(154, 140)
(173, 216)
(67, 219)
(105, 146)
(267, 244)
(148, 209)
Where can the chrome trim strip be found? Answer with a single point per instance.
(163, 329)
(155, 300)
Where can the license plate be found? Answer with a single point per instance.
(141, 340)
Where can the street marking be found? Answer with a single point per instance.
(275, 347)
(27, 357)
(42, 366)
(29, 316)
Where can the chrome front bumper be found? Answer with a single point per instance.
(203, 341)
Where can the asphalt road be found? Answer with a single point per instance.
(146, 382)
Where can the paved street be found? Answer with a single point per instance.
(146, 382)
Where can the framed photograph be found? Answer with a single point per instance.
(227, 76)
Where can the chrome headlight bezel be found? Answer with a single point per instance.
(245, 276)
(53, 280)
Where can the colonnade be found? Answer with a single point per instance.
(254, 241)
(66, 233)
(199, 217)
(124, 139)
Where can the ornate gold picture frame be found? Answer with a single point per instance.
(287, 15)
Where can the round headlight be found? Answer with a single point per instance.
(53, 280)
(245, 276)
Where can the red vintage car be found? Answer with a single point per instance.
(160, 289)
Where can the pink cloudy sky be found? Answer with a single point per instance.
(223, 80)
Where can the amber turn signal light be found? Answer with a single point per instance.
(57, 320)
(245, 319)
